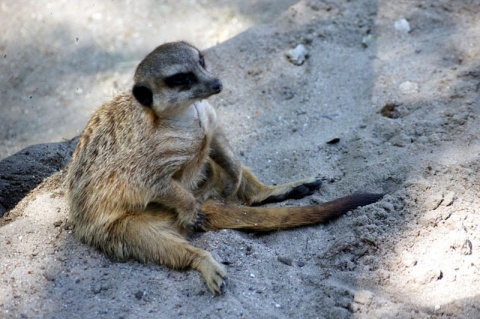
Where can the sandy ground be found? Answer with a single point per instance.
(403, 106)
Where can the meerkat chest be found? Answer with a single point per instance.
(205, 116)
(200, 118)
(197, 124)
(204, 124)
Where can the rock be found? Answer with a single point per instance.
(96, 289)
(50, 276)
(139, 294)
(3, 210)
(363, 297)
(285, 260)
(23, 171)
(367, 40)
(298, 55)
(402, 25)
(408, 87)
(467, 247)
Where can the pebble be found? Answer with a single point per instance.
(363, 297)
(49, 276)
(139, 294)
(298, 55)
(367, 40)
(285, 260)
(96, 289)
(408, 87)
(467, 247)
(402, 25)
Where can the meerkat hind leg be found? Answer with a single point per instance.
(253, 192)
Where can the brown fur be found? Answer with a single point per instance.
(151, 159)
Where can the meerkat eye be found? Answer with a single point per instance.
(201, 60)
(181, 79)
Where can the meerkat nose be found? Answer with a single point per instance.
(216, 86)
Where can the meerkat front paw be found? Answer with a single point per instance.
(187, 218)
(199, 224)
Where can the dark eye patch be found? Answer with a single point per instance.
(181, 80)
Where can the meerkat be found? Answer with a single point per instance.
(153, 165)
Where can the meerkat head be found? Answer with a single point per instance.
(172, 77)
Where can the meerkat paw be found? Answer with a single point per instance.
(214, 274)
(305, 189)
(187, 219)
(199, 224)
(297, 191)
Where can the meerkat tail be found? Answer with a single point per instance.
(223, 216)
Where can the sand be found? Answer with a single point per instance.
(376, 107)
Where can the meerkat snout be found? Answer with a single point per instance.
(216, 86)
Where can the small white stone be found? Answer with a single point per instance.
(408, 87)
(402, 25)
(298, 55)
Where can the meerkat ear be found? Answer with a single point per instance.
(143, 94)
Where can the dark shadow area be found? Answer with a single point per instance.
(23, 171)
